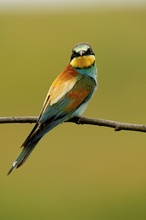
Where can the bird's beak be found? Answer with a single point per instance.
(81, 52)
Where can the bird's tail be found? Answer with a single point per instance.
(26, 150)
(27, 147)
(31, 141)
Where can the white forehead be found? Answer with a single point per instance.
(79, 47)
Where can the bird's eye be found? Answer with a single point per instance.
(89, 51)
(74, 54)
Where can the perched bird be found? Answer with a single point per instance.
(68, 97)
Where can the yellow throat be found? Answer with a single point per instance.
(83, 61)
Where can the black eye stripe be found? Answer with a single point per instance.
(89, 52)
(76, 54)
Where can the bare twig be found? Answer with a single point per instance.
(18, 119)
(118, 126)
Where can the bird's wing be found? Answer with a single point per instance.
(59, 88)
(61, 85)
(64, 100)
(66, 94)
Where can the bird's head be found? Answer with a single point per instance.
(82, 56)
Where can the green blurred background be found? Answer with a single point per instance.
(76, 172)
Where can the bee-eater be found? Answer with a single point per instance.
(68, 97)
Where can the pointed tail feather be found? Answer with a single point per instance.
(23, 155)
(31, 141)
(29, 144)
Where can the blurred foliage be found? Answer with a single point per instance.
(76, 172)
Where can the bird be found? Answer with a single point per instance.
(67, 97)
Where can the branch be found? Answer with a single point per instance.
(118, 126)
